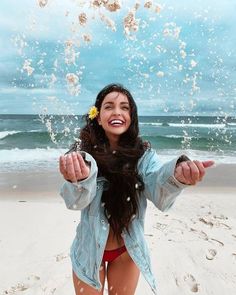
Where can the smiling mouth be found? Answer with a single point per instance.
(116, 123)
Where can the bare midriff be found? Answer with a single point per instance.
(112, 242)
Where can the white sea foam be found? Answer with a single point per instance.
(28, 155)
(216, 126)
(4, 134)
(150, 123)
(231, 124)
(29, 159)
(48, 159)
(195, 125)
(219, 158)
(174, 136)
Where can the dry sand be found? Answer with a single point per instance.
(193, 245)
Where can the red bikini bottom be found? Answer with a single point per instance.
(110, 255)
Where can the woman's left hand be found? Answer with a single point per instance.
(190, 172)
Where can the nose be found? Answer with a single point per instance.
(117, 111)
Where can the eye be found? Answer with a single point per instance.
(126, 108)
(107, 107)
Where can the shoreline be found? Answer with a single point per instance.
(44, 183)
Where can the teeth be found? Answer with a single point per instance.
(116, 122)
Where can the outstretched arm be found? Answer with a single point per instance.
(191, 172)
(80, 172)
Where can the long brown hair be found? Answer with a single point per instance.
(119, 167)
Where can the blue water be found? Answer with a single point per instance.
(26, 139)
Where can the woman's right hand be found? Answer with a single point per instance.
(73, 167)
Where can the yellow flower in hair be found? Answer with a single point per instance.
(93, 112)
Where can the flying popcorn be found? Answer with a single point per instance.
(42, 3)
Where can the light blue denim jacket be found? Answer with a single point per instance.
(92, 232)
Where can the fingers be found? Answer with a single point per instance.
(70, 170)
(77, 168)
(62, 164)
(190, 172)
(200, 169)
(179, 175)
(194, 172)
(207, 164)
(73, 167)
(186, 171)
(84, 168)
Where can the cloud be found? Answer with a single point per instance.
(207, 29)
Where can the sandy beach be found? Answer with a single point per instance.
(193, 245)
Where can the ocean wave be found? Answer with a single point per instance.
(150, 124)
(32, 160)
(231, 125)
(4, 134)
(215, 126)
(174, 136)
(191, 125)
(218, 157)
(30, 155)
(48, 159)
(26, 139)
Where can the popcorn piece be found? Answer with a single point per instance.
(148, 4)
(109, 22)
(171, 30)
(87, 38)
(183, 54)
(70, 54)
(97, 3)
(82, 19)
(130, 22)
(114, 6)
(42, 3)
(160, 74)
(27, 67)
(193, 63)
(72, 84)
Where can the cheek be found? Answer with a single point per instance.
(129, 118)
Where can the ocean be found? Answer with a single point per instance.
(34, 142)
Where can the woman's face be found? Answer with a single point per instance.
(114, 115)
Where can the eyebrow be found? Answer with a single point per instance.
(111, 102)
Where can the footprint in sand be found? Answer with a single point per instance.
(201, 233)
(22, 286)
(16, 288)
(211, 254)
(61, 256)
(191, 282)
(216, 242)
(212, 221)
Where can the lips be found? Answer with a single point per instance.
(116, 122)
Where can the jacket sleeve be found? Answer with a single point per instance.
(79, 195)
(161, 187)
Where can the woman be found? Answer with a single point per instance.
(109, 176)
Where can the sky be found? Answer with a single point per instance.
(181, 59)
